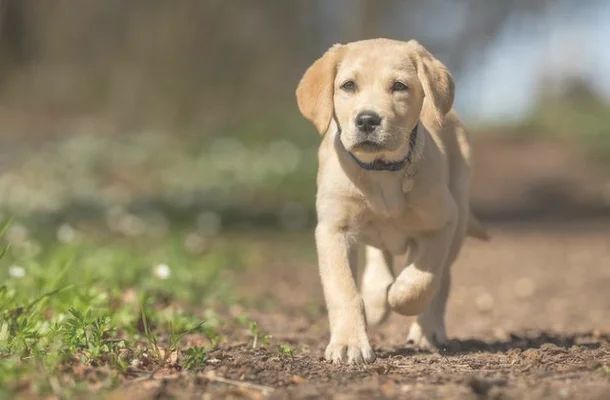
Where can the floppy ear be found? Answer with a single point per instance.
(316, 89)
(437, 82)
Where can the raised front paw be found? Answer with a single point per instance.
(350, 352)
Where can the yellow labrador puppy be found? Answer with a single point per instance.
(394, 175)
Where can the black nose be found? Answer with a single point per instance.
(367, 121)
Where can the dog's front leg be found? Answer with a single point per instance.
(349, 341)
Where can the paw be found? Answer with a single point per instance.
(342, 352)
(427, 337)
(376, 307)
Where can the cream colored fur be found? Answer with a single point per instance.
(422, 228)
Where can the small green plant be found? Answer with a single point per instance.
(92, 334)
(285, 350)
(257, 333)
(148, 333)
(195, 358)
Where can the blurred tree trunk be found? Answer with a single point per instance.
(14, 46)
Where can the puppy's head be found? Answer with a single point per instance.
(376, 90)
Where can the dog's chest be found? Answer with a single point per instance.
(394, 232)
(391, 234)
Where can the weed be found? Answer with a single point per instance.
(257, 333)
(195, 358)
(89, 334)
(285, 349)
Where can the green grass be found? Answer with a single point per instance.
(119, 254)
(123, 306)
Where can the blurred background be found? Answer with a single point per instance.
(141, 115)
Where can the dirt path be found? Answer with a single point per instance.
(529, 315)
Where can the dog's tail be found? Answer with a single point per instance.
(476, 229)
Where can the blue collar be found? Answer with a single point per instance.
(380, 165)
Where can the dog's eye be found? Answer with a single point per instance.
(399, 87)
(349, 86)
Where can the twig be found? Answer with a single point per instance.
(145, 377)
(150, 376)
(212, 377)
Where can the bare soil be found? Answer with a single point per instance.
(529, 318)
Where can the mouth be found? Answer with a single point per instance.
(367, 146)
